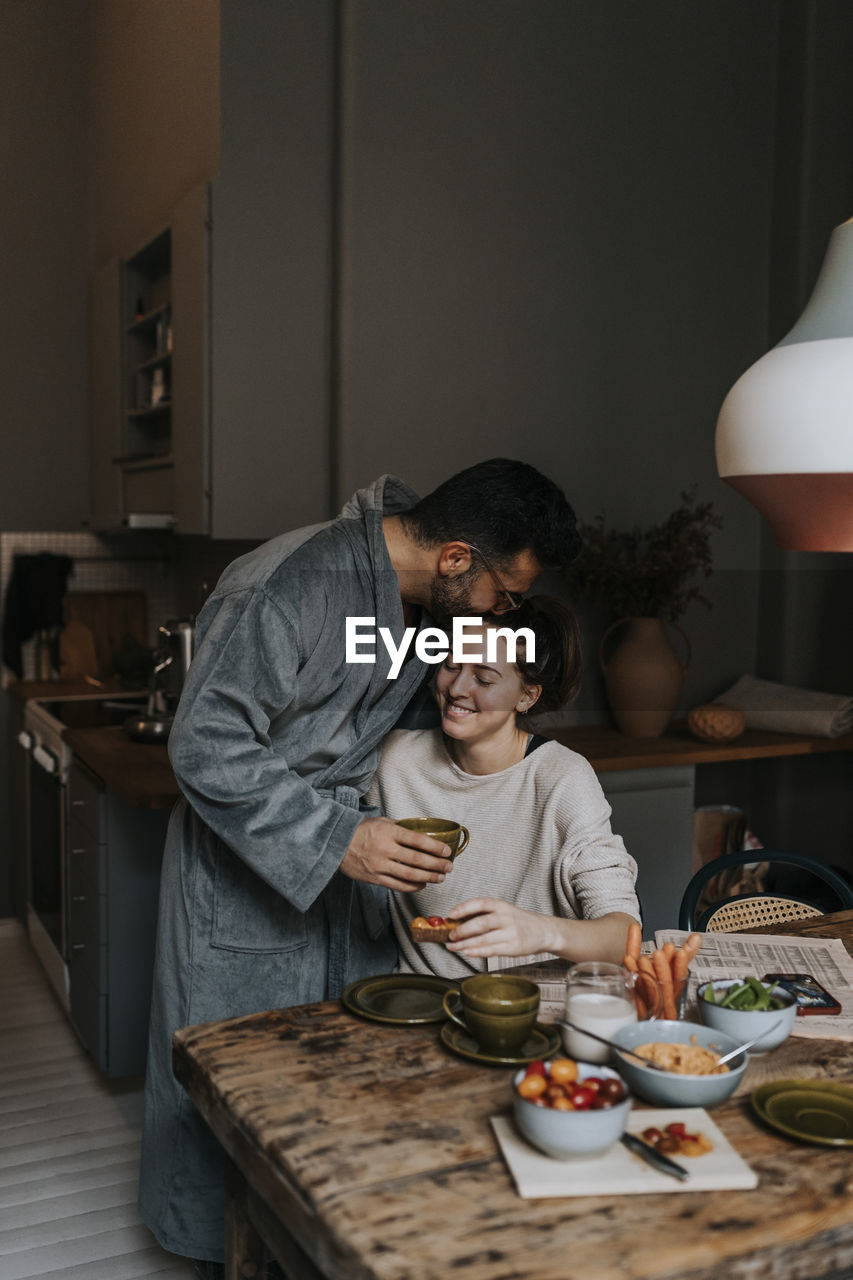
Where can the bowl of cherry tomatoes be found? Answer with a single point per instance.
(568, 1108)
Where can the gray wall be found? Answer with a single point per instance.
(557, 245)
(110, 113)
(43, 354)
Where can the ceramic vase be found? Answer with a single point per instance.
(643, 676)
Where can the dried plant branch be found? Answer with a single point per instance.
(648, 573)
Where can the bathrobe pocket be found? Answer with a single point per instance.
(250, 916)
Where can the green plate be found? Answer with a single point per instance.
(543, 1042)
(810, 1110)
(403, 999)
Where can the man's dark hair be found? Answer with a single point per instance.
(503, 507)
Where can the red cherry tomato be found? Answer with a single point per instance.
(592, 1082)
(652, 1135)
(611, 1090)
(535, 1069)
(581, 1098)
(676, 1130)
(435, 922)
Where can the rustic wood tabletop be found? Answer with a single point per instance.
(362, 1151)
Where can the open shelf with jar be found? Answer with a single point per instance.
(150, 393)
(147, 424)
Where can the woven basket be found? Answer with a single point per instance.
(755, 912)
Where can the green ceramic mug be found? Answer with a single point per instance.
(453, 834)
(498, 1010)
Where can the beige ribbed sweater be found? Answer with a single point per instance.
(540, 838)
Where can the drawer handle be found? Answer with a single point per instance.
(78, 946)
(78, 850)
(78, 897)
(78, 804)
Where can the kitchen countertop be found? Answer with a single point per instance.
(142, 774)
(609, 751)
(139, 771)
(50, 690)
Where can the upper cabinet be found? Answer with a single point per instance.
(149, 342)
(214, 340)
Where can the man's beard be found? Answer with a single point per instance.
(451, 597)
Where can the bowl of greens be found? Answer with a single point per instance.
(747, 1007)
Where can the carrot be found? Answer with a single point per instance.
(680, 966)
(692, 945)
(629, 963)
(635, 940)
(663, 973)
(647, 987)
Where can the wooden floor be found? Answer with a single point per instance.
(69, 1145)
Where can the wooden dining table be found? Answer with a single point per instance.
(362, 1151)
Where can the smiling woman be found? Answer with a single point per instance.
(558, 880)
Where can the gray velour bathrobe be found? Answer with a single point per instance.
(274, 743)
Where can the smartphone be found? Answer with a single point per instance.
(811, 996)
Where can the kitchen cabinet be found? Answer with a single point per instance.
(149, 372)
(113, 878)
(244, 264)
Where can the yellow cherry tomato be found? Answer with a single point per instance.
(532, 1086)
(564, 1071)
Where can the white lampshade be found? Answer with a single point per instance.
(785, 431)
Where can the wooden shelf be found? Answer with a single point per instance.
(609, 751)
(155, 362)
(144, 461)
(149, 319)
(152, 411)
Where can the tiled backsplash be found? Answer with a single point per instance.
(136, 563)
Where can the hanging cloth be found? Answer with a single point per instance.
(33, 601)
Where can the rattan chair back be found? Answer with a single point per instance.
(756, 911)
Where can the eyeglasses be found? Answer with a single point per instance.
(513, 599)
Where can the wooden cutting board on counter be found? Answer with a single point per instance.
(110, 617)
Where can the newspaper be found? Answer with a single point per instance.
(549, 972)
(734, 955)
(725, 955)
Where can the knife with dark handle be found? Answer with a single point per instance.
(656, 1159)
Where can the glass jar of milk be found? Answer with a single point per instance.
(601, 998)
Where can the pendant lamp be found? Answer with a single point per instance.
(785, 431)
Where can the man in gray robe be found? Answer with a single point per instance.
(275, 878)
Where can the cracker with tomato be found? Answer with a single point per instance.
(432, 928)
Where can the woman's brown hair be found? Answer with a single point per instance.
(558, 663)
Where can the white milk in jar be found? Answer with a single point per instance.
(598, 1012)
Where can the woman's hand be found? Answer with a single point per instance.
(394, 857)
(492, 927)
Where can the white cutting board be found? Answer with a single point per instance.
(619, 1171)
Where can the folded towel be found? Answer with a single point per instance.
(781, 708)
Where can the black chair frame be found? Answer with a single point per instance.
(687, 911)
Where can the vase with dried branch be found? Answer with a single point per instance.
(644, 578)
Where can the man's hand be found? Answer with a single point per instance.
(383, 853)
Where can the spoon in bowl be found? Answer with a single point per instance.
(733, 1053)
(641, 1057)
(647, 1062)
